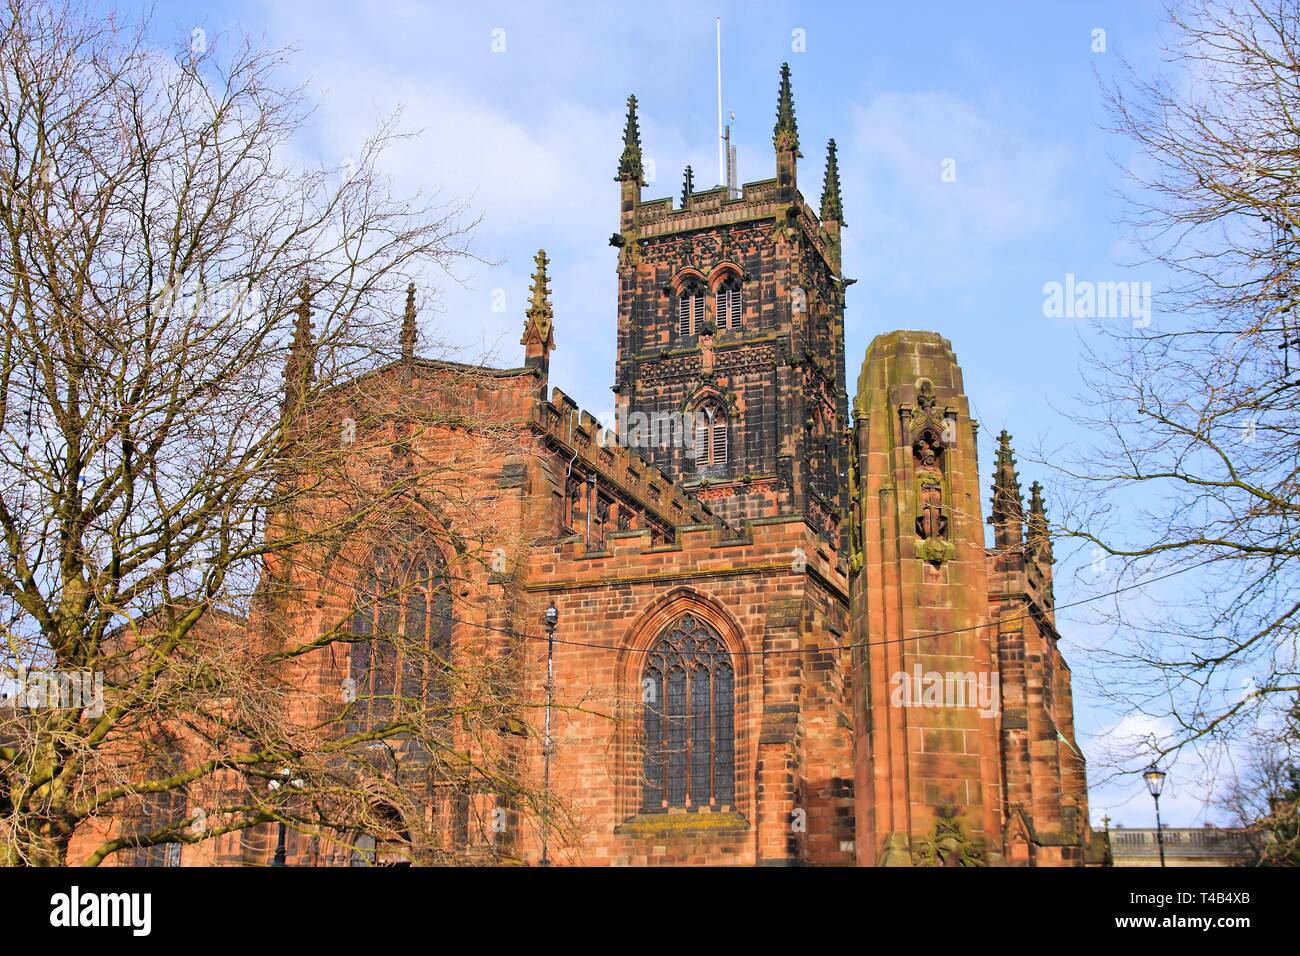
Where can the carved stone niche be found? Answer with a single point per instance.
(928, 428)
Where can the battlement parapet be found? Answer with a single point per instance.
(598, 448)
(713, 208)
(765, 544)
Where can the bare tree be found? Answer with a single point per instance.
(1263, 798)
(185, 312)
(1196, 414)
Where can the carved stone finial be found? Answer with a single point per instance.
(539, 326)
(785, 135)
(408, 325)
(832, 205)
(629, 164)
(300, 369)
(1007, 514)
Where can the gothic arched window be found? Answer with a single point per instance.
(690, 308)
(159, 812)
(688, 687)
(386, 843)
(710, 435)
(404, 616)
(727, 305)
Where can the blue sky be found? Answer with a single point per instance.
(530, 135)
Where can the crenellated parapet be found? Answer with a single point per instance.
(597, 450)
(701, 551)
(712, 209)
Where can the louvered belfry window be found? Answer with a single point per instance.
(690, 309)
(710, 436)
(403, 613)
(727, 303)
(688, 692)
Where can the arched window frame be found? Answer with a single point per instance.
(688, 720)
(388, 844)
(728, 300)
(157, 812)
(404, 602)
(712, 434)
(689, 304)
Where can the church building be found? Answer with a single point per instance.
(781, 635)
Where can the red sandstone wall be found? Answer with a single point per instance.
(748, 591)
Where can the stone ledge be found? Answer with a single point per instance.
(682, 824)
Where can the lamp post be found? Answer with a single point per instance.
(552, 618)
(1155, 778)
(281, 851)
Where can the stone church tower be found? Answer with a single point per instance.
(731, 314)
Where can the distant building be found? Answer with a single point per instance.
(1184, 846)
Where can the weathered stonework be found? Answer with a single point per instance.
(828, 555)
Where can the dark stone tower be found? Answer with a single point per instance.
(730, 371)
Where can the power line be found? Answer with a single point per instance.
(844, 647)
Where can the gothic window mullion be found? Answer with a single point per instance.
(724, 735)
(712, 434)
(677, 748)
(440, 638)
(727, 303)
(402, 625)
(700, 778)
(718, 450)
(690, 308)
(653, 768)
(411, 663)
(374, 659)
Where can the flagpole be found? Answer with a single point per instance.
(722, 148)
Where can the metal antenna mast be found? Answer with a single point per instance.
(722, 147)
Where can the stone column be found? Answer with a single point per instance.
(928, 779)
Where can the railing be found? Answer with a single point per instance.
(1185, 841)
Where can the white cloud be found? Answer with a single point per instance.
(534, 156)
(919, 229)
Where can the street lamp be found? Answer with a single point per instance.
(1155, 778)
(552, 618)
(274, 785)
